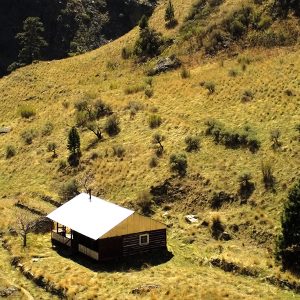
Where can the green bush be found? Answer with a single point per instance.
(153, 162)
(68, 190)
(185, 73)
(268, 177)
(145, 202)
(112, 125)
(149, 92)
(289, 240)
(244, 137)
(247, 96)
(27, 111)
(28, 135)
(178, 164)
(47, 129)
(126, 53)
(210, 86)
(118, 150)
(192, 143)
(133, 89)
(10, 151)
(154, 121)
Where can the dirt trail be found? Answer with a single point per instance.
(14, 278)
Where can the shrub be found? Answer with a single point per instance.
(149, 43)
(157, 139)
(246, 186)
(268, 177)
(192, 143)
(28, 136)
(149, 92)
(119, 151)
(111, 65)
(210, 86)
(289, 240)
(47, 129)
(112, 125)
(216, 226)
(154, 121)
(10, 151)
(133, 89)
(178, 163)
(153, 162)
(247, 96)
(144, 202)
(185, 73)
(126, 53)
(68, 190)
(233, 73)
(27, 111)
(81, 105)
(62, 164)
(244, 137)
(52, 148)
(274, 137)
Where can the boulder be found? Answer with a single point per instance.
(225, 236)
(192, 219)
(164, 65)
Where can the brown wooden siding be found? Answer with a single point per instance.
(131, 246)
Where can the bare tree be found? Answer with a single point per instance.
(86, 181)
(25, 222)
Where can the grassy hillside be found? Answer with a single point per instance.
(268, 78)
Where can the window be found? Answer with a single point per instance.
(144, 239)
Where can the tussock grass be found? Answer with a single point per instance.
(53, 88)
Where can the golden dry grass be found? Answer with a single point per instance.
(52, 88)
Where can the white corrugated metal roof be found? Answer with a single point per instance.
(91, 218)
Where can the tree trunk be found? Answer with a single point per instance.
(25, 240)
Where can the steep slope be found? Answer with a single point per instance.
(270, 80)
(71, 26)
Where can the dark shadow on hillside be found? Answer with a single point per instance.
(123, 264)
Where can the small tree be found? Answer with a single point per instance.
(74, 141)
(289, 241)
(31, 40)
(170, 15)
(52, 148)
(178, 163)
(143, 23)
(157, 139)
(74, 146)
(68, 190)
(25, 222)
(148, 44)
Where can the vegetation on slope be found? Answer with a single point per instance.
(234, 193)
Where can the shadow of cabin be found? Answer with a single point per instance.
(106, 232)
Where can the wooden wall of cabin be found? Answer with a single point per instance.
(130, 244)
(83, 240)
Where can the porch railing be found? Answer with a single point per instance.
(89, 252)
(60, 238)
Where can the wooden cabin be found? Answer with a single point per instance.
(103, 230)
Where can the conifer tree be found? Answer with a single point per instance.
(170, 15)
(31, 40)
(289, 240)
(74, 142)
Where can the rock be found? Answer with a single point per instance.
(35, 259)
(225, 236)
(144, 289)
(192, 219)
(4, 130)
(164, 65)
(9, 291)
(165, 215)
